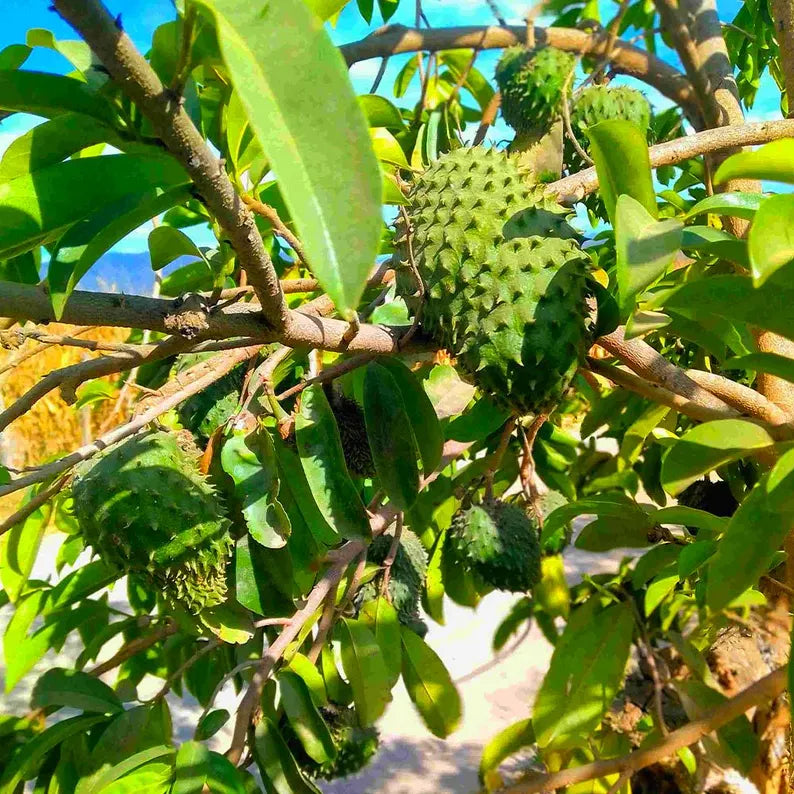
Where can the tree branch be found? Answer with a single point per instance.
(783, 14)
(624, 58)
(136, 646)
(139, 81)
(577, 186)
(767, 688)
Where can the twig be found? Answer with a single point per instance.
(136, 646)
(619, 783)
(566, 119)
(498, 456)
(330, 373)
(390, 556)
(765, 689)
(175, 128)
(182, 69)
(496, 12)
(33, 504)
(281, 228)
(169, 682)
(21, 334)
(384, 62)
(420, 284)
(117, 434)
(613, 30)
(326, 621)
(527, 470)
(488, 118)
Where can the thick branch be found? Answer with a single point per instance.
(577, 186)
(783, 14)
(139, 81)
(624, 58)
(766, 689)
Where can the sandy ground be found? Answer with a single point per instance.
(411, 760)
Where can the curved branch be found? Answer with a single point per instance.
(767, 688)
(577, 186)
(139, 81)
(624, 58)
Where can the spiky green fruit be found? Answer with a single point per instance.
(504, 277)
(355, 746)
(205, 412)
(603, 103)
(498, 542)
(408, 573)
(353, 433)
(531, 83)
(144, 507)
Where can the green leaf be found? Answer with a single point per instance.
(620, 153)
(78, 53)
(255, 586)
(34, 207)
(645, 249)
(430, 686)
(323, 464)
(338, 689)
(13, 56)
(774, 364)
(771, 241)
(708, 446)
(735, 298)
(167, 244)
(211, 724)
(151, 778)
(23, 269)
(689, 516)
(311, 676)
(77, 690)
(694, 556)
(653, 561)
(754, 534)
(133, 731)
(250, 460)
(279, 770)
(584, 675)
(433, 593)
(228, 622)
(49, 95)
(507, 742)
(520, 614)
(424, 421)
(659, 588)
(223, 777)
(103, 780)
(773, 161)
(51, 142)
(737, 739)
(391, 439)
(380, 112)
(25, 765)
(306, 721)
(325, 9)
(614, 532)
(381, 617)
(192, 763)
(91, 237)
(387, 8)
(365, 669)
(295, 88)
(18, 551)
(708, 241)
(737, 205)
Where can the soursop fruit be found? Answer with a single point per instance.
(205, 412)
(408, 573)
(603, 103)
(504, 276)
(499, 543)
(145, 508)
(353, 433)
(355, 746)
(531, 84)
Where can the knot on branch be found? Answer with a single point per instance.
(12, 339)
(189, 318)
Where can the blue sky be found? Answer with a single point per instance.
(141, 17)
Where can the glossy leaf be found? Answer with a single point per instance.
(255, 588)
(19, 549)
(75, 689)
(614, 532)
(645, 249)
(293, 83)
(325, 9)
(311, 676)
(78, 53)
(773, 161)
(584, 675)
(391, 439)
(653, 561)
(708, 241)
(304, 718)
(133, 731)
(223, 777)
(754, 534)
(167, 244)
(192, 763)
(507, 742)
(694, 556)
(49, 95)
(380, 112)
(659, 588)
(421, 413)
(620, 153)
(250, 460)
(520, 614)
(276, 764)
(323, 464)
(551, 593)
(104, 779)
(381, 617)
(365, 669)
(771, 242)
(689, 516)
(708, 446)
(430, 686)
(737, 205)
(34, 207)
(211, 724)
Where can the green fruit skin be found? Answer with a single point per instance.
(407, 578)
(505, 279)
(531, 83)
(353, 434)
(144, 507)
(499, 543)
(598, 103)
